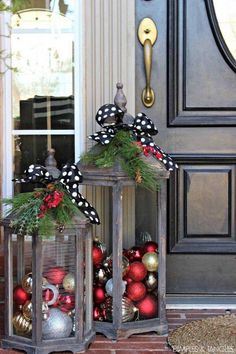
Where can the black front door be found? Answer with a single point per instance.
(194, 79)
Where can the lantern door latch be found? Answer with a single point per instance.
(147, 34)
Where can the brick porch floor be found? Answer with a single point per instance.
(145, 343)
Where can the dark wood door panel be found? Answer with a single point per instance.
(195, 112)
(202, 206)
(195, 274)
(202, 84)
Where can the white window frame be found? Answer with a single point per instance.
(8, 132)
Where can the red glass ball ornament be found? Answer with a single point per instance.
(136, 291)
(150, 246)
(127, 279)
(137, 271)
(99, 294)
(135, 254)
(66, 302)
(20, 296)
(97, 255)
(55, 275)
(98, 314)
(147, 307)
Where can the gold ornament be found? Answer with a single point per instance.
(69, 282)
(150, 260)
(27, 310)
(27, 283)
(21, 324)
(107, 263)
(129, 311)
(151, 281)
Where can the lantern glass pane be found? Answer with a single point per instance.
(126, 275)
(59, 288)
(22, 286)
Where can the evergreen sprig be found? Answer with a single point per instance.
(124, 148)
(27, 217)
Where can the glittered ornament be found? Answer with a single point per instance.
(136, 291)
(58, 325)
(21, 324)
(128, 310)
(55, 275)
(137, 271)
(101, 275)
(99, 294)
(20, 296)
(69, 282)
(150, 246)
(109, 287)
(151, 281)
(147, 307)
(98, 314)
(101, 245)
(27, 283)
(150, 260)
(97, 255)
(135, 254)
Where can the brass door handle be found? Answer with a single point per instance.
(147, 34)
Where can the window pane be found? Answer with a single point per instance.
(31, 149)
(42, 49)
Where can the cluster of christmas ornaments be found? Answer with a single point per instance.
(57, 305)
(139, 284)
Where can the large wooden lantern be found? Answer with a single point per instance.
(48, 301)
(130, 297)
(129, 287)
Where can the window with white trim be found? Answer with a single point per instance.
(44, 38)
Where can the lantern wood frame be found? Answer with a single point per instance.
(84, 329)
(117, 179)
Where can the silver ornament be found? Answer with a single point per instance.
(109, 286)
(55, 292)
(142, 238)
(58, 325)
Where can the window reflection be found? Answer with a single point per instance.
(42, 48)
(226, 15)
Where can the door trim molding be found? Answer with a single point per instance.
(178, 113)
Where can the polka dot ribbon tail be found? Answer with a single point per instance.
(110, 118)
(70, 177)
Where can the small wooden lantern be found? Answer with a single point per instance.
(48, 290)
(118, 325)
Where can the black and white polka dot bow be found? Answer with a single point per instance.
(110, 118)
(70, 177)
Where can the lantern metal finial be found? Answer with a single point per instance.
(51, 163)
(121, 101)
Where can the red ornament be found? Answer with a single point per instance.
(135, 254)
(150, 246)
(98, 314)
(99, 294)
(127, 279)
(136, 291)
(137, 271)
(55, 275)
(20, 296)
(147, 307)
(66, 302)
(97, 255)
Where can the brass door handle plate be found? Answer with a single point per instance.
(147, 34)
